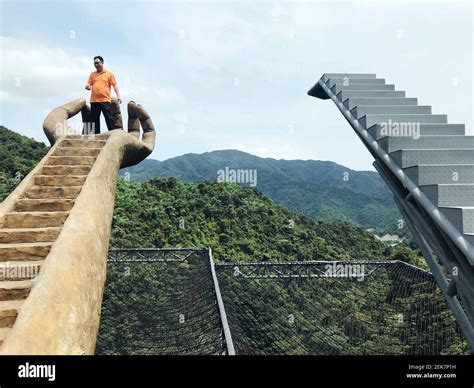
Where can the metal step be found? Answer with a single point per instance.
(344, 95)
(461, 217)
(440, 173)
(377, 131)
(354, 81)
(352, 102)
(453, 195)
(408, 158)
(362, 110)
(395, 143)
(339, 88)
(368, 121)
(327, 76)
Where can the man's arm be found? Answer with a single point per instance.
(88, 83)
(117, 92)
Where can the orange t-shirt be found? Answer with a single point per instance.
(100, 85)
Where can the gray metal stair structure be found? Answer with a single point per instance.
(428, 164)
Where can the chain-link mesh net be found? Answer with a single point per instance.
(159, 302)
(164, 302)
(337, 309)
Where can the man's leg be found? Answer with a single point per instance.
(95, 116)
(107, 115)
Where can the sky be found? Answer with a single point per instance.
(234, 74)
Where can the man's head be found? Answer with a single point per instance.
(99, 63)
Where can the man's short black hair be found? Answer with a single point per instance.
(99, 58)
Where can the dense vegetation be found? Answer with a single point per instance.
(18, 155)
(321, 189)
(240, 223)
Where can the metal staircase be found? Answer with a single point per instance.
(429, 166)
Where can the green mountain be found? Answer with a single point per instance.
(321, 189)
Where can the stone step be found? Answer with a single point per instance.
(24, 235)
(86, 137)
(71, 160)
(440, 173)
(3, 334)
(344, 95)
(378, 131)
(65, 170)
(368, 121)
(60, 180)
(395, 143)
(44, 205)
(24, 251)
(9, 311)
(339, 88)
(76, 151)
(461, 217)
(354, 81)
(352, 102)
(15, 289)
(20, 270)
(82, 143)
(350, 76)
(453, 195)
(34, 219)
(408, 158)
(52, 192)
(362, 110)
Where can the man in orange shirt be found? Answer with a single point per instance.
(100, 82)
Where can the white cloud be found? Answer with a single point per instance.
(30, 71)
(179, 60)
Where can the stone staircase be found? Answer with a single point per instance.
(28, 232)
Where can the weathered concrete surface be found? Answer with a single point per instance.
(61, 312)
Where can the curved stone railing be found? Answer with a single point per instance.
(61, 313)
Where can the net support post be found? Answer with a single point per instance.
(220, 303)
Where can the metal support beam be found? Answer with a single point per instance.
(419, 230)
(225, 324)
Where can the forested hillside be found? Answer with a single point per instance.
(321, 189)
